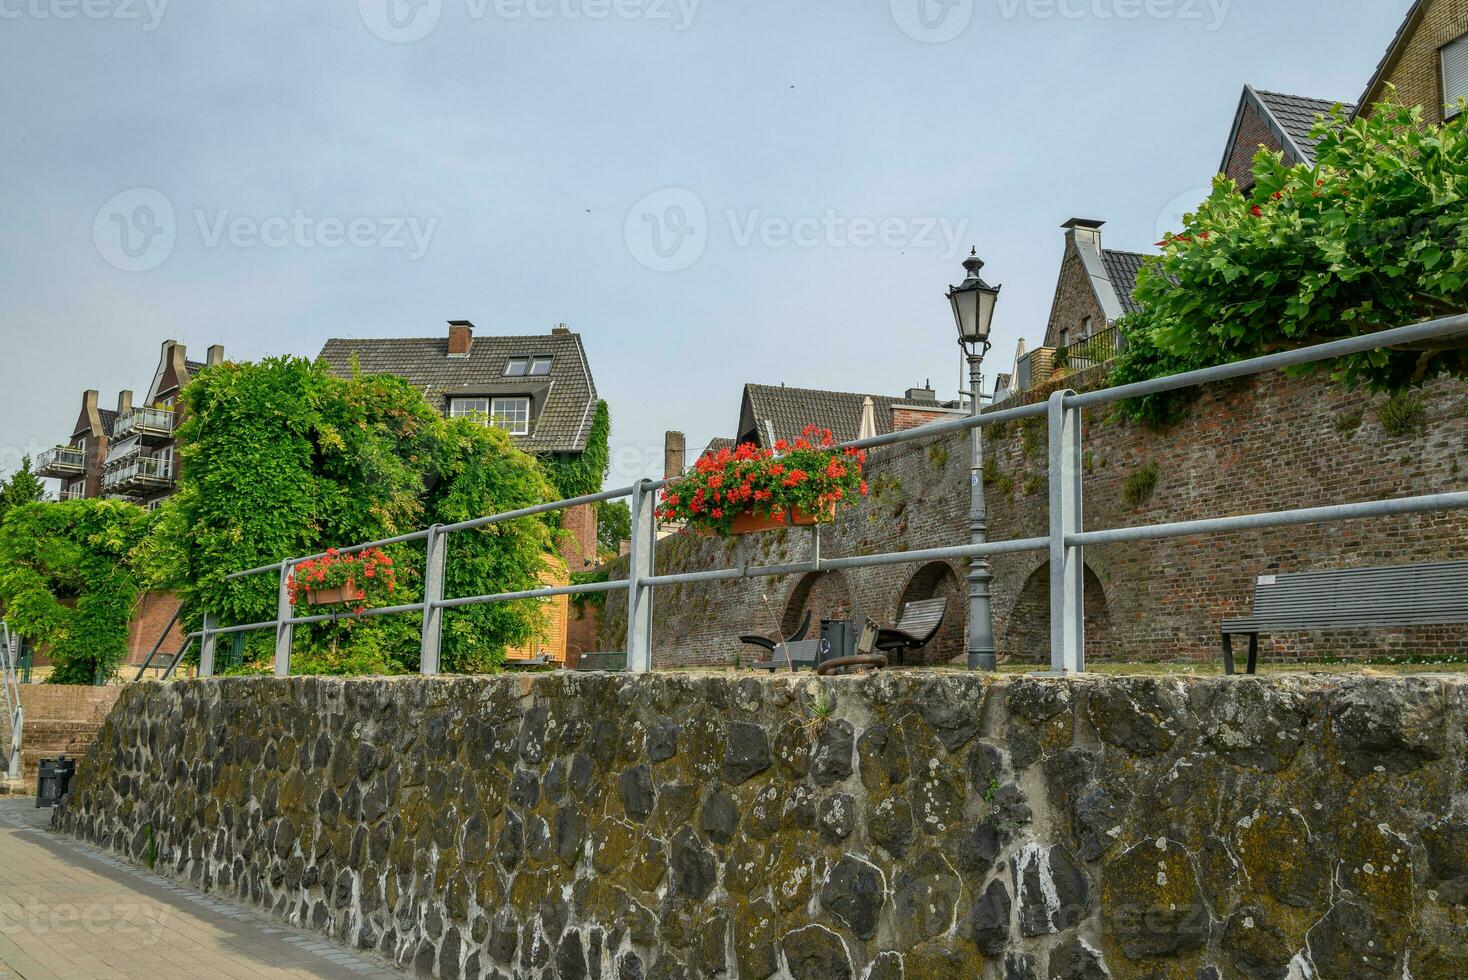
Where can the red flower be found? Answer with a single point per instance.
(1257, 211)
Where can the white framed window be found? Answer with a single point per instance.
(511, 414)
(540, 365)
(516, 367)
(469, 408)
(1454, 57)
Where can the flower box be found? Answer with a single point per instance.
(337, 595)
(749, 489)
(751, 522)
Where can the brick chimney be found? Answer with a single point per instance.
(1085, 231)
(675, 450)
(461, 336)
(215, 357)
(560, 330)
(124, 402)
(91, 414)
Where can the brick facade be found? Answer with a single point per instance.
(1253, 132)
(1272, 443)
(154, 611)
(1413, 64)
(1075, 299)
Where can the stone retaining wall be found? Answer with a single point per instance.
(900, 825)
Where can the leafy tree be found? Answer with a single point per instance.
(23, 487)
(613, 526)
(68, 582)
(1369, 238)
(282, 458)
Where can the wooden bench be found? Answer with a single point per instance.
(1432, 594)
(602, 661)
(919, 623)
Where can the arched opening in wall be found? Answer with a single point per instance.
(932, 581)
(1027, 635)
(825, 594)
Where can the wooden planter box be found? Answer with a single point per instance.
(750, 523)
(347, 592)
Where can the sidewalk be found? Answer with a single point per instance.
(70, 911)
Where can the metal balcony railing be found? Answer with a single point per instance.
(136, 473)
(1090, 351)
(146, 423)
(62, 461)
(1065, 542)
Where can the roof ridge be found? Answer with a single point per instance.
(821, 391)
(444, 337)
(1305, 98)
(1127, 251)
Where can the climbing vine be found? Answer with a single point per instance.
(68, 582)
(577, 476)
(282, 458)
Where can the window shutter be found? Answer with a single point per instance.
(1455, 72)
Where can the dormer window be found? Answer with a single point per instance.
(510, 414)
(525, 366)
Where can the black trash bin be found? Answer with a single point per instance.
(53, 780)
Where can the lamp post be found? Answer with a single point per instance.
(973, 312)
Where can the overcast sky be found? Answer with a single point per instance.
(711, 193)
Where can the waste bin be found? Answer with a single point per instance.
(54, 779)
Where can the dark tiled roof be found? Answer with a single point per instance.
(194, 367)
(109, 420)
(569, 393)
(790, 410)
(1122, 269)
(717, 443)
(1297, 115)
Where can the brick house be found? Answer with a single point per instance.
(1427, 61)
(770, 413)
(1277, 122)
(130, 453)
(539, 388)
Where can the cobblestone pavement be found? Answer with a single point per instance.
(70, 911)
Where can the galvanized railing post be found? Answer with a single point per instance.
(1067, 568)
(640, 566)
(434, 565)
(284, 630)
(206, 645)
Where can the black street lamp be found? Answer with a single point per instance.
(973, 311)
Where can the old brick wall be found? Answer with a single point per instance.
(154, 611)
(1270, 444)
(894, 826)
(1418, 70)
(1253, 133)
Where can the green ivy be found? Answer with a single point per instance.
(583, 473)
(1369, 238)
(68, 582)
(282, 458)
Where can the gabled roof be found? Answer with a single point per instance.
(109, 420)
(717, 443)
(1122, 269)
(1289, 117)
(565, 401)
(787, 411)
(1393, 53)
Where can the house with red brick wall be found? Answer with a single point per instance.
(537, 387)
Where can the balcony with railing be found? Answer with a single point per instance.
(78, 493)
(148, 424)
(1088, 352)
(62, 462)
(136, 474)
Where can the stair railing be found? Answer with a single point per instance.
(9, 657)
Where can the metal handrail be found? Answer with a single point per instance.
(138, 419)
(9, 659)
(70, 456)
(1064, 542)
